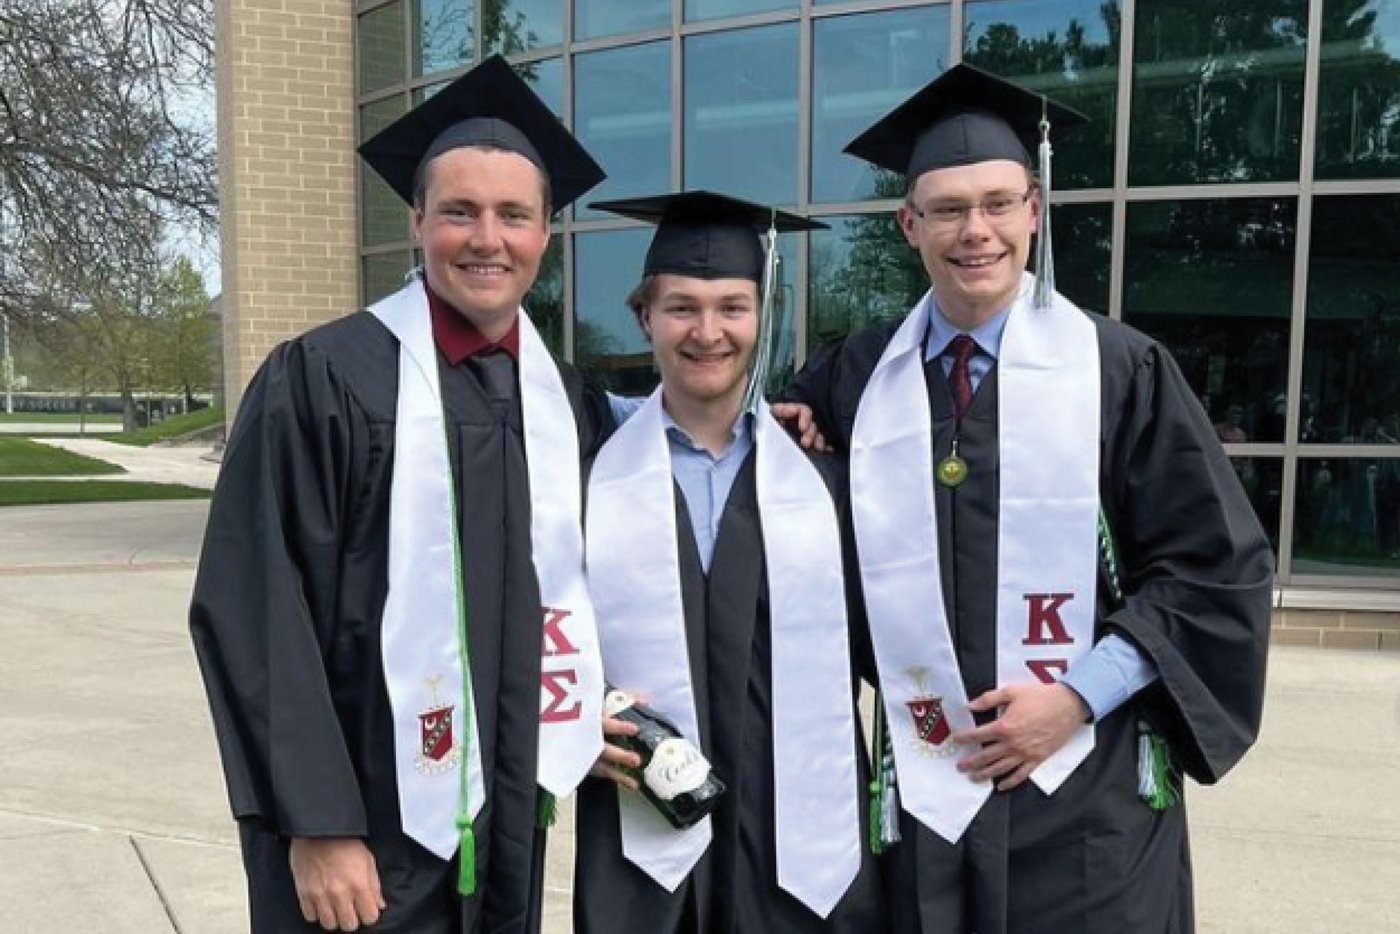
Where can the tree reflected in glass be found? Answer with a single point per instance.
(1069, 52)
(1351, 364)
(1217, 91)
(1213, 280)
(1359, 90)
(514, 26)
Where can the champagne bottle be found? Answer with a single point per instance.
(674, 776)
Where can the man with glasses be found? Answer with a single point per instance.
(1068, 592)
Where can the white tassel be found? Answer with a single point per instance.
(1044, 255)
(762, 363)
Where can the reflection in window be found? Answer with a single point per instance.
(594, 18)
(1359, 91)
(1262, 479)
(546, 78)
(545, 300)
(442, 35)
(383, 274)
(1347, 518)
(864, 66)
(1213, 280)
(696, 10)
(514, 26)
(380, 34)
(741, 113)
(622, 115)
(1083, 240)
(859, 272)
(608, 342)
(1351, 362)
(1217, 91)
(1066, 50)
(383, 216)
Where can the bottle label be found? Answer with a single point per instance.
(615, 702)
(676, 767)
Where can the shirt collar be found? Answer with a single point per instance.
(987, 334)
(743, 428)
(457, 338)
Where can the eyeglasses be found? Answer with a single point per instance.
(994, 208)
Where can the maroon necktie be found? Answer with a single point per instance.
(961, 349)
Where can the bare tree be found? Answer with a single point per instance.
(99, 144)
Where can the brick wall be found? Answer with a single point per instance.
(286, 173)
(1341, 629)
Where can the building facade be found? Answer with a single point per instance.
(1236, 195)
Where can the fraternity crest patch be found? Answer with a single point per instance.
(439, 751)
(931, 728)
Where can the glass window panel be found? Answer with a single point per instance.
(1351, 359)
(1067, 50)
(1359, 91)
(608, 342)
(1213, 280)
(622, 115)
(696, 10)
(545, 78)
(1083, 241)
(426, 91)
(383, 215)
(1347, 518)
(859, 272)
(863, 66)
(442, 35)
(514, 26)
(741, 113)
(545, 300)
(594, 18)
(380, 37)
(383, 274)
(1262, 479)
(1217, 91)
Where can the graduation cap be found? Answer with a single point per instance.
(966, 116)
(706, 235)
(488, 106)
(711, 236)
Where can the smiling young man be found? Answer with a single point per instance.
(1064, 582)
(714, 560)
(390, 612)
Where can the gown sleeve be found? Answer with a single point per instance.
(1197, 570)
(265, 597)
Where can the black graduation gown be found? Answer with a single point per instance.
(733, 888)
(1197, 575)
(286, 614)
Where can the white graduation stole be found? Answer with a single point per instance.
(634, 574)
(1048, 417)
(422, 630)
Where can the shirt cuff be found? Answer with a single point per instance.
(1111, 673)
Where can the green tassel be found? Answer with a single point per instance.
(546, 811)
(877, 846)
(466, 859)
(1158, 784)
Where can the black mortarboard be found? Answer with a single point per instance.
(963, 116)
(705, 235)
(489, 105)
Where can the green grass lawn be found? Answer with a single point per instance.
(43, 492)
(20, 457)
(172, 427)
(59, 418)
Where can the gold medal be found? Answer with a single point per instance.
(952, 470)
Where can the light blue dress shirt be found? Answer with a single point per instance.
(705, 479)
(1115, 669)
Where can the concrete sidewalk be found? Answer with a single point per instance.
(113, 816)
(188, 465)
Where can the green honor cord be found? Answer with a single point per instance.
(1159, 786)
(466, 852)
